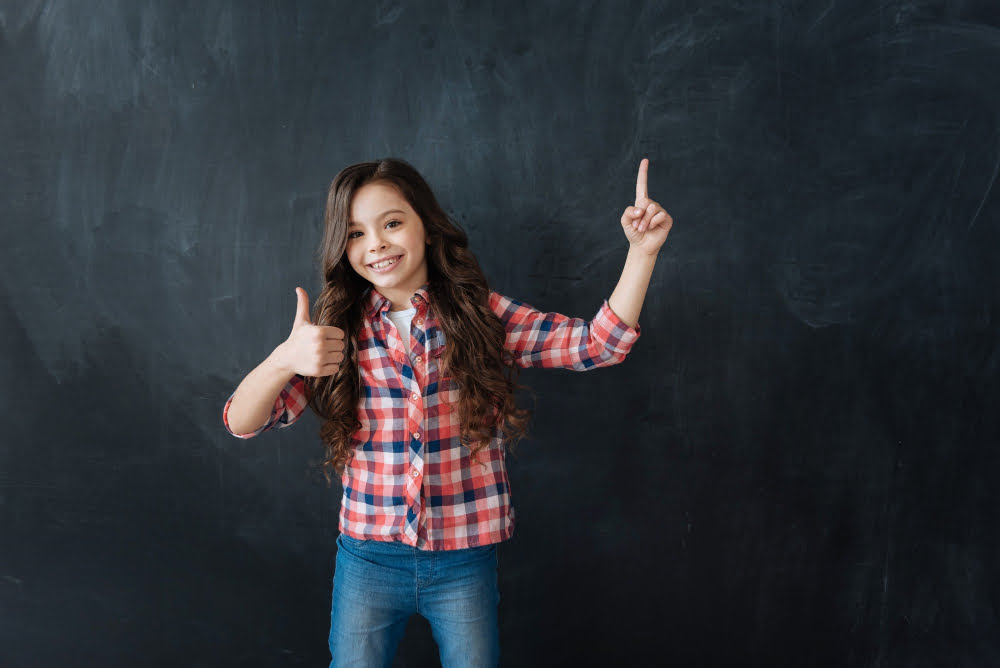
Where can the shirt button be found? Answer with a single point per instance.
(418, 358)
(416, 435)
(414, 396)
(415, 473)
(420, 321)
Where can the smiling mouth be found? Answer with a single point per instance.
(388, 262)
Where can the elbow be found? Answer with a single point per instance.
(239, 425)
(238, 430)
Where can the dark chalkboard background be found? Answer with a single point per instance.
(796, 465)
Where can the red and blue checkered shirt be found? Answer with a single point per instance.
(411, 479)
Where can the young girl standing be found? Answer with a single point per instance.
(408, 360)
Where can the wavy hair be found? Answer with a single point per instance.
(473, 356)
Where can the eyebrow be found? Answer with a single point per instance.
(381, 215)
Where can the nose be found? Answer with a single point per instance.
(377, 243)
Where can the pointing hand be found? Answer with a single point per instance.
(646, 224)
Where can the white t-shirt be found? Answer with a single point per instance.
(402, 320)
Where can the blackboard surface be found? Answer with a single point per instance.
(796, 466)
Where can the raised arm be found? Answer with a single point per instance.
(550, 340)
(646, 226)
(274, 392)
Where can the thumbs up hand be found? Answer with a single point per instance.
(646, 224)
(310, 350)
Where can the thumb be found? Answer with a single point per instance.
(301, 309)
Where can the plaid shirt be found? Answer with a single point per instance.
(411, 479)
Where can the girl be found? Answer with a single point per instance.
(408, 360)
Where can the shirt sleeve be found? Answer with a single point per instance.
(288, 407)
(553, 340)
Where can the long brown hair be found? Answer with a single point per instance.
(474, 355)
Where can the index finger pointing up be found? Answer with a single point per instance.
(641, 192)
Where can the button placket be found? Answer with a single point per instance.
(417, 383)
(414, 417)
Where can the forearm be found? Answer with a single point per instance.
(254, 399)
(626, 300)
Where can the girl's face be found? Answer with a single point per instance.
(386, 243)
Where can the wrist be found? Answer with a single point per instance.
(277, 361)
(638, 254)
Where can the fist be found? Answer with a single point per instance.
(646, 224)
(310, 350)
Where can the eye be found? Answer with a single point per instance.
(393, 223)
(353, 235)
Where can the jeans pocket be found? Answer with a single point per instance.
(480, 553)
(351, 543)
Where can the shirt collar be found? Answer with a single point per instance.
(377, 302)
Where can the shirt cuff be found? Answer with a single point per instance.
(614, 334)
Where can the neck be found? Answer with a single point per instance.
(399, 299)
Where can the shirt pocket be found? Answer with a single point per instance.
(443, 402)
(382, 413)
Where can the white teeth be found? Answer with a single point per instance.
(383, 264)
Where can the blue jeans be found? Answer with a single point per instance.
(378, 585)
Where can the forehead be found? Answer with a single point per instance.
(372, 199)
